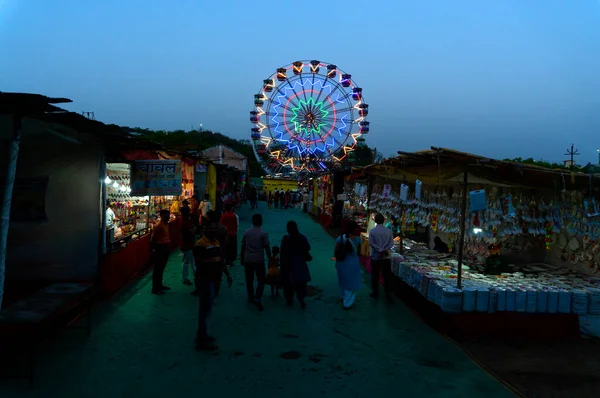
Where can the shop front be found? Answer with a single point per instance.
(135, 194)
(522, 261)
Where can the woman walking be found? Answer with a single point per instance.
(231, 221)
(347, 264)
(295, 252)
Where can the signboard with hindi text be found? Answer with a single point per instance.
(156, 178)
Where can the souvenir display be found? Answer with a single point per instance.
(135, 214)
(355, 203)
(533, 289)
(499, 220)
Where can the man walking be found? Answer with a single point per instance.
(205, 207)
(305, 199)
(255, 244)
(209, 269)
(381, 241)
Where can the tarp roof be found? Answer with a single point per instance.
(118, 140)
(444, 165)
(29, 104)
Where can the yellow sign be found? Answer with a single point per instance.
(272, 184)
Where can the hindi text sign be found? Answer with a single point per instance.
(156, 178)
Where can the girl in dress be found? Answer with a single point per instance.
(273, 273)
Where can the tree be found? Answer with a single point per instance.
(198, 140)
(542, 163)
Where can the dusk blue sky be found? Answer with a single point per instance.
(502, 78)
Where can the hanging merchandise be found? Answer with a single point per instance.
(404, 192)
(418, 187)
(387, 190)
(477, 200)
(434, 220)
(508, 209)
(548, 237)
(590, 207)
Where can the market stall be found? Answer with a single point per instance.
(135, 194)
(325, 199)
(527, 244)
(356, 199)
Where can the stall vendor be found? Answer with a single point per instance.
(111, 220)
(495, 264)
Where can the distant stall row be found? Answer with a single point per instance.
(510, 237)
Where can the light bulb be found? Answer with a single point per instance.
(123, 189)
(107, 180)
(116, 185)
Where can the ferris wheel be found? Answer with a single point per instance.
(307, 118)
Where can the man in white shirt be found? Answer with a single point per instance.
(305, 199)
(381, 241)
(205, 207)
(255, 244)
(110, 223)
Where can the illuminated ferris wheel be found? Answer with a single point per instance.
(307, 117)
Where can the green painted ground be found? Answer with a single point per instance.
(142, 345)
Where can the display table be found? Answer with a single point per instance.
(488, 307)
(124, 265)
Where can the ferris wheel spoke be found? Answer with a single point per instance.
(292, 102)
(339, 100)
(303, 91)
(323, 84)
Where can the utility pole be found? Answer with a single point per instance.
(572, 153)
(598, 150)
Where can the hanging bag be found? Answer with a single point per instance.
(343, 248)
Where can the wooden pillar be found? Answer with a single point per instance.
(461, 240)
(11, 173)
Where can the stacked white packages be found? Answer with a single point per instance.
(544, 293)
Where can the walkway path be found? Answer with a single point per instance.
(142, 345)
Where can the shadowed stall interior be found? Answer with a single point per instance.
(55, 219)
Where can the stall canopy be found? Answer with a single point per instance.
(443, 166)
(447, 166)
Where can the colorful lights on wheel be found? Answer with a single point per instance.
(312, 119)
(309, 122)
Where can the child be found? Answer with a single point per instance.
(273, 273)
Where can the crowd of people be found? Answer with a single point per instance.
(209, 243)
